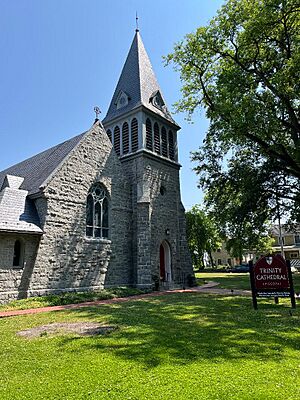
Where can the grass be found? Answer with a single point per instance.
(69, 298)
(235, 280)
(185, 346)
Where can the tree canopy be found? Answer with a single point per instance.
(243, 68)
(202, 235)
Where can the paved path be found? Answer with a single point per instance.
(209, 287)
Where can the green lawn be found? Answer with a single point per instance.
(235, 280)
(181, 346)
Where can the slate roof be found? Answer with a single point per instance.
(17, 212)
(138, 81)
(37, 169)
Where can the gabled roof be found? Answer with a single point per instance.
(138, 81)
(37, 169)
(17, 212)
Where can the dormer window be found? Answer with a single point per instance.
(122, 99)
(157, 100)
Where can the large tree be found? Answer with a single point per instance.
(243, 68)
(202, 236)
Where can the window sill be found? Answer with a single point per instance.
(100, 240)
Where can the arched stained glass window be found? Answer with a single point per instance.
(164, 142)
(109, 134)
(149, 140)
(125, 138)
(171, 145)
(156, 138)
(134, 135)
(117, 140)
(97, 212)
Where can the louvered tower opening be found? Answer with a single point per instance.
(149, 140)
(156, 138)
(109, 134)
(134, 135)
(164, 142)
(117, 140)
(171, 145)
(125, 138)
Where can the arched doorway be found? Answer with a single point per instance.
(165, 271)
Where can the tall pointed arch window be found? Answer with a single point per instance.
(125, 138)
(134, 135)
(97, 212)
(156, 138)
(171, 145)
(117, 140)
(164, 142)
(149, 140)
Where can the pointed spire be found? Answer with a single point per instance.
(137, 85)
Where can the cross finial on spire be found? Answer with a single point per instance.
(137, 22)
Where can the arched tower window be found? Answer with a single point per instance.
(125, 138)
(171, 145)
(17, 253)
(109, 134)
(97, 208)
(164, 142)
(149, 140)
(156, 138)
(134, 135)
(117, 140)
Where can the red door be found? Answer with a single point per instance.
(162, 262)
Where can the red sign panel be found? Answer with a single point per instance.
(271, 273)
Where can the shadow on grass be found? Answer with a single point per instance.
(236, 281)
(181, 329)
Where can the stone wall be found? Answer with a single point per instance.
(14, 280)
(158, 215)
(145, 209)
(67, 259)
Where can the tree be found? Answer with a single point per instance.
(241, 201)
(202, 236)
(243, 68)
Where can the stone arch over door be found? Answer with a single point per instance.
(165, 270)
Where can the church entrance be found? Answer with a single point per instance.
(165, 262)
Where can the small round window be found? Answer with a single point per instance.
(162, 190)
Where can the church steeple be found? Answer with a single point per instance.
(137, 86)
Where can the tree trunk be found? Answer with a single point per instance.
(211, 259)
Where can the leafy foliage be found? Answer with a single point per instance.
(243, 68)
(202, 235)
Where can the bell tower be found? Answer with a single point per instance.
(144, 136)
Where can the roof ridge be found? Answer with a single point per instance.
(49, 177)
(37, 168)
(41, 152)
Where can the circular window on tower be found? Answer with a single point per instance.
(162, 190)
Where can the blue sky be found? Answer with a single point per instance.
(60, 58)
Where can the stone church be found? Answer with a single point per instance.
(102, 209)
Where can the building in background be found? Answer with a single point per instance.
(290, 243)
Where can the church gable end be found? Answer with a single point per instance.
(70, 255)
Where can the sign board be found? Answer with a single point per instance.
(271, 277)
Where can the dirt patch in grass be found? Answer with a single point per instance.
(79, 328)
